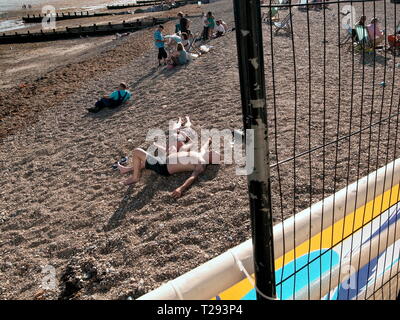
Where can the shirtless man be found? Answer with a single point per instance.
(182, 161)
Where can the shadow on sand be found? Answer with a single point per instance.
(143, 194)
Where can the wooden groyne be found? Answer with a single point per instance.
(67, 16)
(82, 31)
(145, 4)
(85, 14)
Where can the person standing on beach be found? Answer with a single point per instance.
(160, 44)
(205, 27)
(211, 24)
(184, 23)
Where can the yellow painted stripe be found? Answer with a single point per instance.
(237, 291)
(331, 236)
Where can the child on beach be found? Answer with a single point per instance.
(211, 24)
(114, 100)
(160, 44)
(185, 40)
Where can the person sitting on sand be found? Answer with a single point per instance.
(183, 161)
(185, 40)
(219, 29)
(160, 44)
(375, 34)
(114, 100)
(179, 57)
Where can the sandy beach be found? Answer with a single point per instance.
(61, 203)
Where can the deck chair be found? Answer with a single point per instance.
(348, 39)
(192, 42)
(363, 41)
(283, 25)
(271, 15)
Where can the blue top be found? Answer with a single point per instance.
(183, 59)
(158, 36)
(115, 96)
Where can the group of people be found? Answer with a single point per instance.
(179, 156)
(173, 49)
(178, 43)
(213, 27)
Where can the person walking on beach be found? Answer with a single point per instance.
(160, 44)
(182, 161)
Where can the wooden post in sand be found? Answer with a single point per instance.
(252, 83)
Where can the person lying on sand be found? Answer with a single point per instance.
(181, 138)
(114, 100)
(182, 161)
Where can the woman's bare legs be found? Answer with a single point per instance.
(188, 123)
(139, 160)
(178, 125)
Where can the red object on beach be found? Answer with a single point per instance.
(394, 43)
